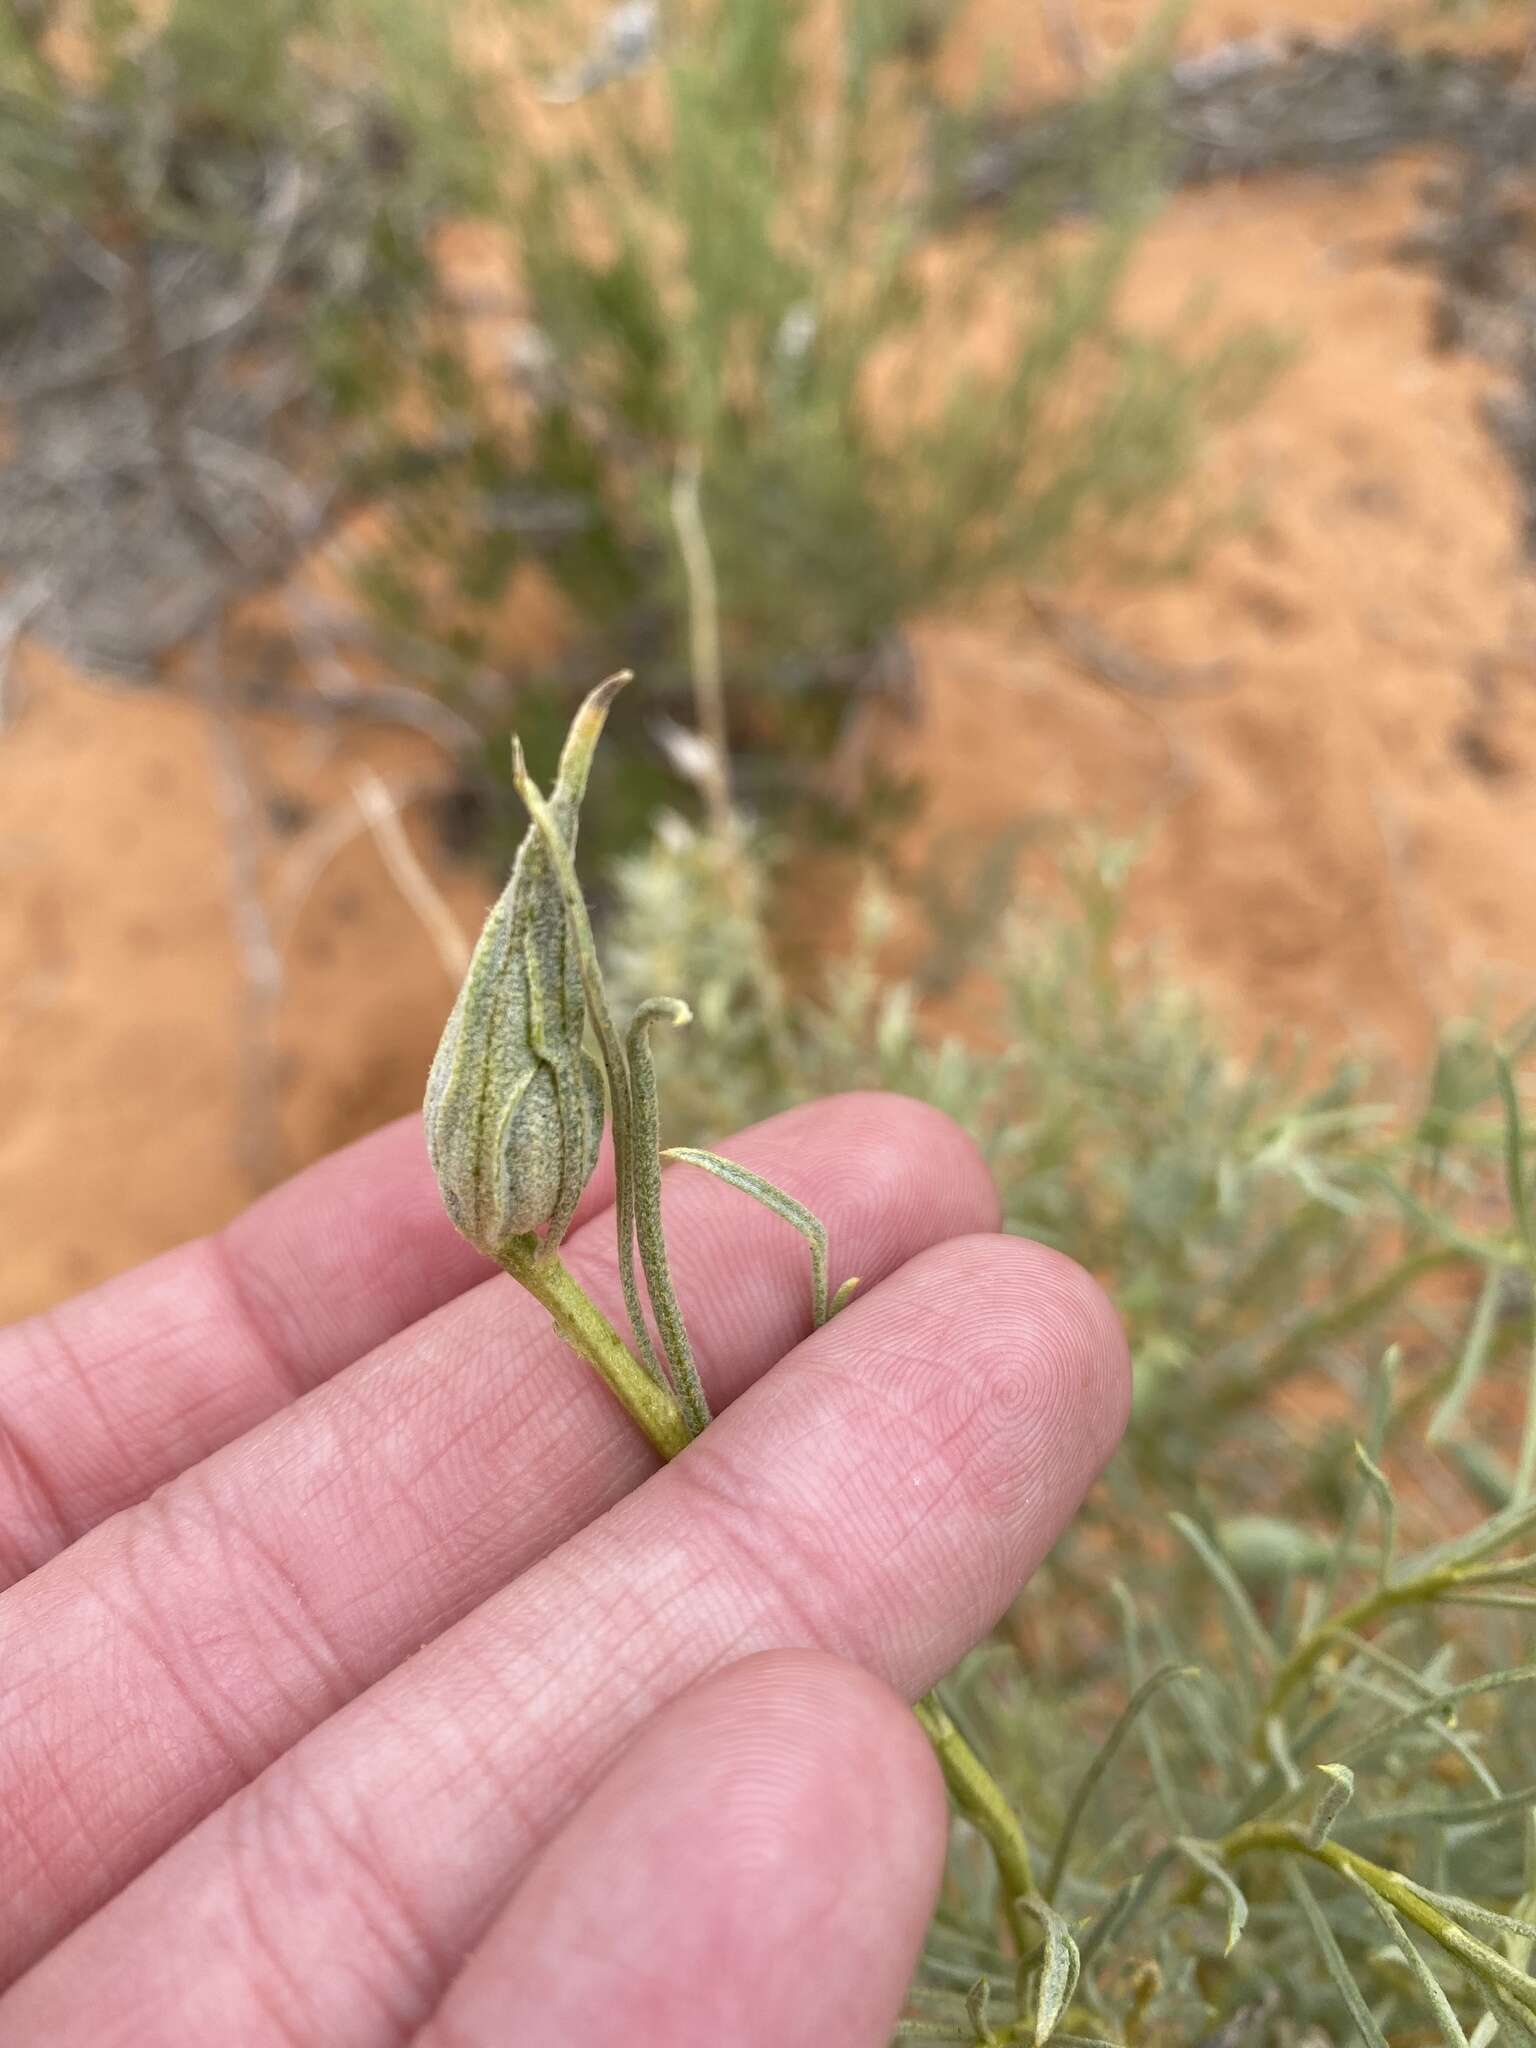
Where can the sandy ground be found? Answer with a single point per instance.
(1335, 834)
(1335, 839)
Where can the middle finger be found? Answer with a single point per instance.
(169, 1656)
(880, 1494)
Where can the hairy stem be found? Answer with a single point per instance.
(588, 1332)
(646, 1186)
(1350, 1621)
(1387, 1885)
(978, 1796)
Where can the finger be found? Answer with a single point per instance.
(758, 1867)
(105, 1399)
(172, 1653)
(881, 1494)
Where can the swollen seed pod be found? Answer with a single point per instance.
(514, 1105)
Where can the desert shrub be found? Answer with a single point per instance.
(742, 278)
(1263, 1715)
(726, 271)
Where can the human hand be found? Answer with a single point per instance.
(363, 1682)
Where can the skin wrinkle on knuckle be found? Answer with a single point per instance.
(33, 1824)
(278, 1991)
(290, 1842)
(783, 1558)
(32, 1507)
(245, 1306)
(34, 1489)
(279, 1597)
(189, 1667)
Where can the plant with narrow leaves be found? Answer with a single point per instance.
(1261, 1724)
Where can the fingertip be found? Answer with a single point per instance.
(758, 1866)
(854, 1747)
(1044, 1352)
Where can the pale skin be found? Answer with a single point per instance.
(365, 1682)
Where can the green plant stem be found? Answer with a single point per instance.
(588, 1331)
(977, 1795)
(1386, 1884)
(1349, 1621)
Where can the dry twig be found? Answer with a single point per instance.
(714, 764)
(381, 814)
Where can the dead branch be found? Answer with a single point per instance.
(224, 320)
(381, 812)
(713, 773)
(321, 843)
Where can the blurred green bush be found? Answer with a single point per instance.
(724, 247)
(1316, 1552)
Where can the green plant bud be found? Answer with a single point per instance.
(514, 1105)
(1263, 1549)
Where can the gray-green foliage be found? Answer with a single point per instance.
(1265, 1717)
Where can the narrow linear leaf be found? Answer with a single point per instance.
(1510, 2012)
(1471, 1914)
(1419, 1685)
(844, 1295)
(1101, 1761)
(1163, 1778)
(1206, 1860)
(1333, 1956)
(606, 1033)
(645, 1184)
(1473, 1359)
(1277, 1743)
(1244, 1615)
(1127, 1904)
(1467, 1815)
(978, 2004)
(1451, 1697)
(1434, 1995)
(1508, 1526)
(1513, 1571)
(1384, 1389)
(1514, 1154)
(810, 1227)
(1386, 1507)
